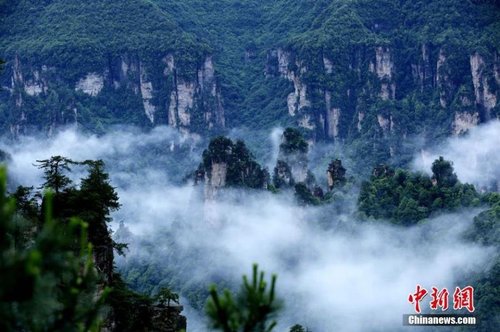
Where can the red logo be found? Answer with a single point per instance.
(417, 297)
(462, 298)
(439, 299)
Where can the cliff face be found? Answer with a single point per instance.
(128, 88)
(291, 166)
(331, 97)
(375, 72)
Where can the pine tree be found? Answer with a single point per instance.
(47, 286)
(252, 310)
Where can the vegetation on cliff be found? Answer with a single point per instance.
(241, 168)
(406, 198)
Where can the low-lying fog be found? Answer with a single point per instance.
(350, 276)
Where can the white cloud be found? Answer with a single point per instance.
(351, 276)
(475, 156)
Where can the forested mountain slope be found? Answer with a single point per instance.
(376, 72)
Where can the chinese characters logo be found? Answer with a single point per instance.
(462, 298)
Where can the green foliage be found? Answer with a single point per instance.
(79, 33)
(281, 172)
(242, 169)
(92, 201)
(81, 38)
(486, 226)
(131, 311)
(442, 171)
(53, 170)
(51, 284)
(298, 328)
(165, 295)
(337, 174)
(304, 196)
(255, 305)
(486, 231)
(406, 198)
(293, 142)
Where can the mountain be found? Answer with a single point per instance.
(341, 70)
(102, 63)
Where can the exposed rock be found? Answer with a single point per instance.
(181, 102)
(383, 122)
(335, 174)
(305, 122)
(91, 84)
(333, 122)
(217, 177)
(384, 65)
(297, 99)
(484, 97)
(328, 65)
(464, 121)
(293, 153)
(387, 91)
(170, 64)
(35, 86)
(168, 319)
(283, 63)
(187, 93)
(423, 70)
(361, 117)
(206, 75)
(282, 175)
(197, 95)
(185, 99)
(384, 68)
(147, 94)
(441, 78)
(332, 117)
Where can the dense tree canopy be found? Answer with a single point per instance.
(405, 198)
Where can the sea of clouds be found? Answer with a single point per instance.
(348, 276)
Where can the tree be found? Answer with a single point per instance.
(165, 295)
(241, 168)
(53, 170)
(96, 199)
(443, 174)
(251, 311)
(304, 196)
(293, 142)
(52, 284)
(298, 328)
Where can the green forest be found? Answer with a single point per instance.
(246, 166)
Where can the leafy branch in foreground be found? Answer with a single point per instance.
(51, 284)
(252, 310)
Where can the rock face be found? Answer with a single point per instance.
(464, 121)
(335, 174)
(91, 84)
(149, 90)
(229, 164)
(168, 319)
(334, 95)
(215, 180)
(291, 167)
(297, 100)
(485, 97)
(384, 68)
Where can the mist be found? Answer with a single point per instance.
(334, 272)
(475, 156)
